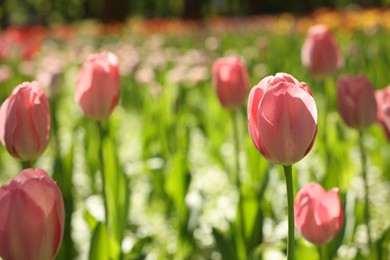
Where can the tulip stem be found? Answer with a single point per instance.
(238, 178)
(102, 135)
(322, 250)
(290, 205)
(365, 181)
(27, 164)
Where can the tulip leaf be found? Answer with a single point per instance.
(137, 251)
(91, 221)
(117, 190)
(103, 246)
(253, 219)
(99, 249)
(176, 187)
(225, 244)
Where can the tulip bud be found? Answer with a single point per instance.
(318, 214)
(25, 121)
(320, 52)
(282, 118)
(231, 81)
(356, 101)
(31, 217)
(382, 97)
(98, 86)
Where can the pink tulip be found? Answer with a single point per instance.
(31, 217)
(25, 121)
(231, 81)
(382, 97)
(98, 85)
(320, 52)
(356, 101)
(318, 214)
(282, 118)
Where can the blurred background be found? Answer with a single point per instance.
(44, 12)
(173, 140)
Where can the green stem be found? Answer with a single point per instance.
(366, 198)
(290, 205)
(322, 250)
(102, 136)
(27, 164)
(323, 121)
(238, 178)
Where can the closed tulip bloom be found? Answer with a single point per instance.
(318, 214)
(382, 97)
(231, 81)
(98, 86)
(356, 101)
(320, 52)
(25, 121)
(282, 118)
(31, 217)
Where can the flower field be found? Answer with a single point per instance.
(157, 167)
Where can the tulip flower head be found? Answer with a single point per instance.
(282, 118)
(231, 81)
(318, 214)
(356, 101)
(25, 121)
(31, 217)
(320, 52)
(382, 97)
(98, 87)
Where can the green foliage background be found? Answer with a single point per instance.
(168, 147)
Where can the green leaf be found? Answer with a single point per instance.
(117, 190)
(91, 221)
(103, 246)
(176, 186)
(137, 252)
(253, 224)
(100, 247)
(225, 244)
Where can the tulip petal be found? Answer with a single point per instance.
(318, 214)
(253, 103)
(27, 147)
(231, 80)
(331, 201)
(98, 87)
(41, 118)
(26, 220)
(5, 205)
(32, 228)
(287, 123)
(320, 52)
(3, 119)
(356, 101)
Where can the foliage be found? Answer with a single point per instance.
(169, 145)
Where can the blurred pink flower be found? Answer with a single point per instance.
(320, 52)
(98, 86)
(356, 101)
(25, 121)
(231, 80)
(319, 215)
(31, 217)
(382, 97)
